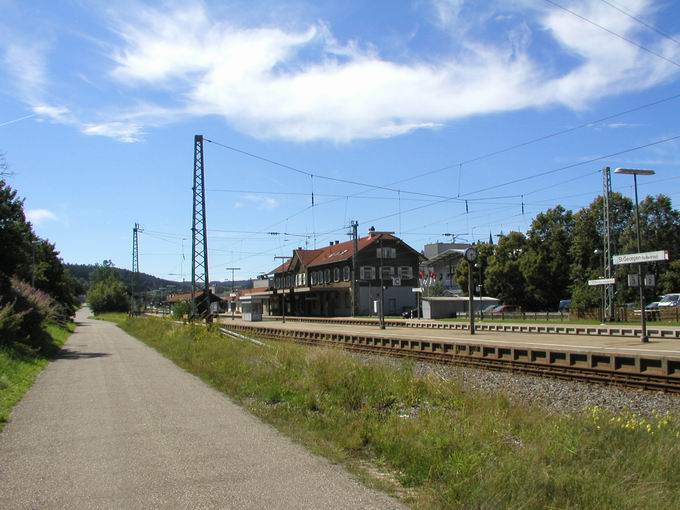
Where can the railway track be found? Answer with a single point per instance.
(648, 372)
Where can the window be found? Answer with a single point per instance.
(304, 278)
(313, 278)
(406, 272)
(336, 274)
(327, 276)
(367, 273)
(388, 272)
(387, 253)
(345, 273)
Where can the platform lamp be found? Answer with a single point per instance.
(635, 172)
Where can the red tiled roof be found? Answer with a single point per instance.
(331, 254)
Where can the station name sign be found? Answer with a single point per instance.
(636, 258)
(602, 281)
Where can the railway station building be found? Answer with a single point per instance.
(319, 282)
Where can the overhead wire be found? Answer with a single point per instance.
(615, 34)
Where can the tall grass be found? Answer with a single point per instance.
(451, 448)
(20, 364)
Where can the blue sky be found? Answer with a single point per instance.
(110, 97)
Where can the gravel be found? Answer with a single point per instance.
(555, 395)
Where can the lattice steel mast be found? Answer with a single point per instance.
(135, 266)
(199, 238)
(606, 195)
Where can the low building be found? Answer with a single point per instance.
(320, 282)
(441, 260)
(215, 301)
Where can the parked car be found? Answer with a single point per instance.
(669, 300)
(564, 306)
(504, 309)
(489, 309)
(652, 310)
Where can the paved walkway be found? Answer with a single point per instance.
(113, 424)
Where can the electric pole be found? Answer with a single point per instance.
(382, 286)
(355, 248)
(135, 266)
(607, 254)
(283, 287)
(233, 292)
(199, 235)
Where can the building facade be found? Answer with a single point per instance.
(324, 281)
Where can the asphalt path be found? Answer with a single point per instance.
(113, 424)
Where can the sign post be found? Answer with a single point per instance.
(602, 281)
(639, 259)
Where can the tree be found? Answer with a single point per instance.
(107, 292)
(670, 281)
(15, 234)
(659, 230)
(504, 279)
(545, 262)
(485, 251)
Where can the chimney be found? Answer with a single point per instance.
(337, 242)
(371, 232)
(299, 248)
(331, 243)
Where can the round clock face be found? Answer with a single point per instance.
(470, 255)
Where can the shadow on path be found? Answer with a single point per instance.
(75, 354)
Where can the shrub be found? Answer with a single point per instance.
(180, 310)
(108, 295)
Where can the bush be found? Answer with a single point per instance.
(180, 310)
(109, 295)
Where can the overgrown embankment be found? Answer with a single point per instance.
(20, 364)
(450, 448)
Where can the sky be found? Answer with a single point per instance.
(421, 117)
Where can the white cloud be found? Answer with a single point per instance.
(304, 84)
(122, 131)
(40, 215)
(259, 201)
(257, 80)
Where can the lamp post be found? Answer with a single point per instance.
(470, 255)
(597, 251)
(382, 287)
(635, 172)
(478, 265)
(233, 291)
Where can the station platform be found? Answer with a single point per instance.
(629, 345)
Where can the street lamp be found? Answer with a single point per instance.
(635, 172)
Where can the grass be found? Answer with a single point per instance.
(446, 446)
(20, 365)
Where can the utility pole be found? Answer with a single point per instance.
(607, 251)
(135, 266)
(233, 305)
(199, 235)
(283, 288)
(355, 248)
(382, 285)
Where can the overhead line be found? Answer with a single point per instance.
(642, 22)
(615, 34)
(574, 165)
